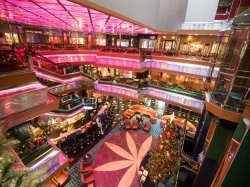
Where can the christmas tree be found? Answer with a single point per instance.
(163, 159)
(10, 174)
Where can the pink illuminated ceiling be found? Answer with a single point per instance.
(63, 14)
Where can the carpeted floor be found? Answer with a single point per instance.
(75, 181)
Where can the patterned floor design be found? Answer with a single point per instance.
(75, 181)
(118, 159)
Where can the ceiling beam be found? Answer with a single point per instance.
(119, 25)
(48, 12)
(90, 18)
(69, 12)
(106, 23)
(25, 10)
(22, 16)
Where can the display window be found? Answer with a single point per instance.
(34, 36)
(122, 42)
(168, 44)
(54, 39)
(9, 38)
(77, 40)
(146, 43)
(100, 41)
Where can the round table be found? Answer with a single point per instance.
(87, 158)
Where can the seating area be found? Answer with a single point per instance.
(147, 126)
(60, 179)
(86, 174)
(87, 134)
(134, 125)
(139, 109)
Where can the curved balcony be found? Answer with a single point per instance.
(190, 93)
(198, 68)
(118, 90)
(179, 99)
(178, 67)
(135, 93)
(221, 112)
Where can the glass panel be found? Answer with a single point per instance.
(232, 85)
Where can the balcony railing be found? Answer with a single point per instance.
(156, 92)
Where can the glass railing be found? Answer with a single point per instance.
(164, 86)
(134, 92)
(75, 104)
(179, 90)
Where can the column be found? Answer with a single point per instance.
(90, 42)
(202, 134)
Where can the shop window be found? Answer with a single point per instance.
(146, 43)
(206, 48)
(54, 39)
(34, 36)
(122, 42)
(113, 41)
(168, 44)
(77, 40)
(195, 46)
(185, 46)
(151, 44)
(9, 38)
(100, 41)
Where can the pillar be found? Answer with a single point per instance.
(31, 63)
(64, 71)
(202, 134)
(90, 42)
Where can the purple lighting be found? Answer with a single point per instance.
(65, 15)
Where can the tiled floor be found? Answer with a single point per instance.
(74, 170)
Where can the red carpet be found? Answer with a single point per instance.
(117, 161)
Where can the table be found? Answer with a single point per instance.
(87, 158)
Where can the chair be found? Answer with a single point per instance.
(53, 183)
(62, 178)
(81, 139)
(139, 118)
(127, 124)
(86, 167)
(67, 147)
(135, 125)
(147, 126)
(92, 132)
(87, 179)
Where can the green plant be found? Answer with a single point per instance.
(10, 174)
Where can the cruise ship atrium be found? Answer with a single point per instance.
(132, 93)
